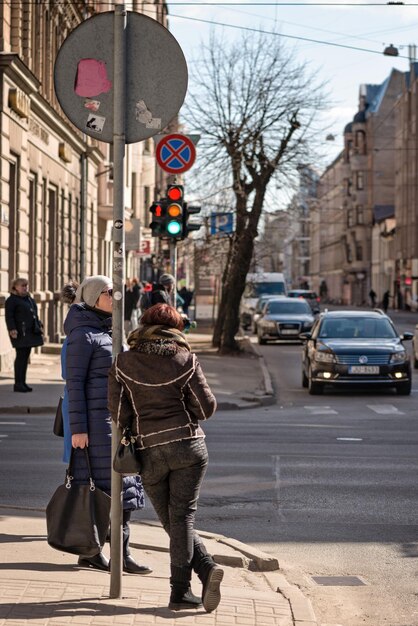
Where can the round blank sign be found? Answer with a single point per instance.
(156, 77)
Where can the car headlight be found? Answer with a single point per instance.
(325, 357)
(270, 324)
(398, 357)
(307, 325)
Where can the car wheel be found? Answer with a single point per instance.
(255, 329)
(404, 389)
(304, 379)
(416, 363)
(315, 389)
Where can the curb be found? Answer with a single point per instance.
(269, 395)
(251, 559)
(301, 607)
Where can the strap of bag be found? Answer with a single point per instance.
(68, 474)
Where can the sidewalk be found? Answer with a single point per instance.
(238, 382)
(43, 587)
(40, 586)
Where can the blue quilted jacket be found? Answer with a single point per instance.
(88, 360)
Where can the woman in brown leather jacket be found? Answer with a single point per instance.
(159, 390)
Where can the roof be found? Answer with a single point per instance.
(355, 313)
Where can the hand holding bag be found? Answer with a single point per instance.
(127, 459)
(78, 516)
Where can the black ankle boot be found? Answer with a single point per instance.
(210, 575)
(182, 596)
(98, 561)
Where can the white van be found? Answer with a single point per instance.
(257, 285)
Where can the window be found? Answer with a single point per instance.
(360, 214)
(350, 218)
(359, 180)
(359, 252)
(349, 254)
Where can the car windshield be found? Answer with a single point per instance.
(309, 295)
(255, 290)
(285, 308)
(357, 328)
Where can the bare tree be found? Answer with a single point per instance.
(255, 108)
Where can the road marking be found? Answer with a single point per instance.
(348, 439)
(323, 410)
(3, 436)
(12, 423)
(276, 471)
(384, 409)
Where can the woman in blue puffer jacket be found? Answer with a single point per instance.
(88, 327)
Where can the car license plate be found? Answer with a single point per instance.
(289, 331)
(364, 369)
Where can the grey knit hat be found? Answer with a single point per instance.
(90, 289)
(167, 279)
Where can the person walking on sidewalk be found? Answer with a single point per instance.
(88, 360)
(25, 329)
(159, 390)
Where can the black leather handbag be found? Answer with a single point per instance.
(78, 516)
(127, 459)
(58, 427)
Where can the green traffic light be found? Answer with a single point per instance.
(173, 228)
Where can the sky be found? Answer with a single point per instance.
(370, 26)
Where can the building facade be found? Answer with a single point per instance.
(56, 184)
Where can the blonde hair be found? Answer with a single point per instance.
(16, 282)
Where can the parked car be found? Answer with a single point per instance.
(310, 296)
(284, 318)
(258, 310)
(256, 285)
(355, 348)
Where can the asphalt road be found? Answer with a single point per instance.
(327, 484)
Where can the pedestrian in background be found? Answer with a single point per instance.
(25, 329)
(131, 301)
(161, 292)
(88, 359)
(187, 295)
(372, 296)
(385, 300)
(137, 311)
(159, 390)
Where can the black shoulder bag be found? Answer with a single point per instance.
(78, 516)
(127, 459)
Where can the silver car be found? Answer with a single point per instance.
(284, 318)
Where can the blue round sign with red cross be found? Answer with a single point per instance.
(175, 153)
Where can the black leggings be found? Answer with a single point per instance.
(21, 365)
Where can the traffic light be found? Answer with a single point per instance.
(158, 211)
(173, 223)
(190, 210)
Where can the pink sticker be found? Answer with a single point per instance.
(91, 79)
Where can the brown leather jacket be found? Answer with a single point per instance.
(162, 394)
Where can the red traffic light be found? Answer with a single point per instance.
(175, 192)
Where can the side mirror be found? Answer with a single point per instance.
(407, 336)
(305, 336)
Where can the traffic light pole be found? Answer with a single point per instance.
(173, 265)
(118, 276)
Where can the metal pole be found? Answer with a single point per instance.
(83, 210)
(118, 277)
(173, 265)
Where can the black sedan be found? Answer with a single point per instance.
(355, 348)
(284, 318)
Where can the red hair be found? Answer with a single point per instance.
(163, 315)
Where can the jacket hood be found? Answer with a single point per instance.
(79, 315)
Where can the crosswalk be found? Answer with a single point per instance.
(8, 423)
(325, 409)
